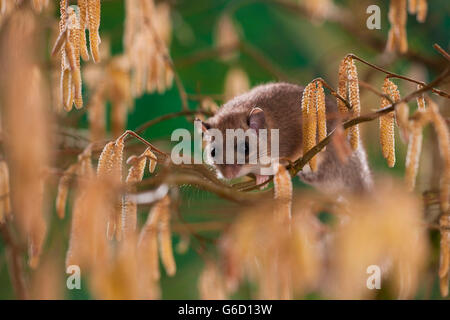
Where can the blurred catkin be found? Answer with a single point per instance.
(390, 234)
(418, 7)
(211, 284)
(444, 261)
(226, 37)
(5, 200)
(413, 155)
(148, 244)
(63, 189)
(283, 194)
(236, 83)
(24, 111)
(289, 253)
(146, 40)
(156, 226)
(118, 279)
(441, 128)
(165, 238)
(88, 245)
(397, 40)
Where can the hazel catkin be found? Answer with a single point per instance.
(309, 121)
(387, 137)
(129, 207)
(321, 113)
(342, 87)
(93, 16)
(73, 53)
(355, 103)
(82, 5)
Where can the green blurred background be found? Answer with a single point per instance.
(298, 48)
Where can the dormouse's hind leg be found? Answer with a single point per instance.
(333, 176)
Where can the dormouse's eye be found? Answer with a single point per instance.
(246, 148)
(213, 152)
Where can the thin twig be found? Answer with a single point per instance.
(374, 90)
(151, 146)
(442, 51)
(200, 97)
(222, 190)
(169, 116)
(263, 61)
(333, 92)
(394, 75)
(205, 54)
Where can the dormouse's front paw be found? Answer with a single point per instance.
(261, 179)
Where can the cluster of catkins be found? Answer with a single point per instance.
(111, 83)
(106, 193)
(147, 36)
(411, 132)
(24, 106)
(397, 40)
(8, 6)
(314, 111)
(300, 254)
(314, 118)
(348, 89)
(428, 112)
(71, 44)
(411, 127)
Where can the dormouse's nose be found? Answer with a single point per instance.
(231, 171)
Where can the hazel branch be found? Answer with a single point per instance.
(333, 92)
(442, 51)
(344, 19)
(374, 90)
(169, 116)
(394, 75)
(300, 163)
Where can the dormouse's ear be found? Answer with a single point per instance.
(205, 126)
(201, 124)
(256, 119)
